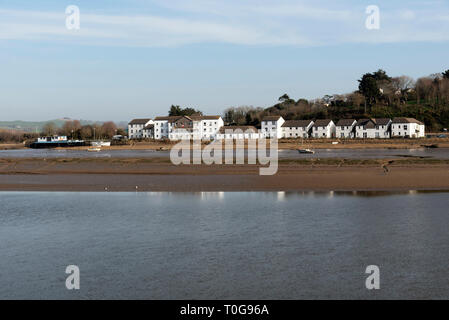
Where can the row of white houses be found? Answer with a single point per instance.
(212, 127)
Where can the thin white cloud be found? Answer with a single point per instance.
(243, 23)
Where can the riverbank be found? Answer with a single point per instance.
(158, 174)
(286, 144)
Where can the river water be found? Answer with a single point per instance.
(439, 153)
(241, 245)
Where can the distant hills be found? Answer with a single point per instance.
(36, 126)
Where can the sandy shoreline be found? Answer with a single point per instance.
(160, 175)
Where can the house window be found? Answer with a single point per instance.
(405, 127)
(342, 135)
(377, 135)
(365, 135)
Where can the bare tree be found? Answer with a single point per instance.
(403, 83)
(108, 129)
(49, 129)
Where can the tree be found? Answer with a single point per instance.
(369, 88)
(49, 129)
(71, 128)
(178, 111)
(381, 75)
(285, 99)
(86, 132)
(446, 74)
(403, 83)
(108, 129)
(174, 111)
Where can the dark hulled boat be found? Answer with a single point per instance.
(55, 142)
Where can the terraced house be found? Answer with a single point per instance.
(297, 128)
(271, 126)
(345, 128)
(212, 127)
(373, 128)
(407, 127)
(175, 127)
(136, 128)
(324, 128)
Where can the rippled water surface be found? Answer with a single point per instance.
(224, 245)
(439, 153)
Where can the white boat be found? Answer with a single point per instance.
(94, 149)
(100, 144)
(306, 151)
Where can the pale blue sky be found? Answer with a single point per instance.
(135, 58)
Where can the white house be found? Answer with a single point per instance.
(161, 127)
(345, 128)
(136, 126)
(207, 127)
(297, 128)
(179, 127)
(272, 126)
(148, 131)
(373, 128)
(238, 132)
(407, 127)
(323, 129)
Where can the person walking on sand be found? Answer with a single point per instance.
(385, 167)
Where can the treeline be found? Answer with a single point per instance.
(378, 95)
(15, 136)
(74, 130)
(71, 129)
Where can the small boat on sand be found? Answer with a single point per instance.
(306, 151)
(94, 149)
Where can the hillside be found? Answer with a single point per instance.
(36, 126)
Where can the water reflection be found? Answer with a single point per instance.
(284, 195)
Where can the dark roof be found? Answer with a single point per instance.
(345, 122)
(382, 121)
(271, 118)
(139, 121)
(372, 123)
(296, 123)
(322, 123)
(406, 120)
(205, 117)
(171, 118)
(243, 128)
(150, 126)
(367, 123)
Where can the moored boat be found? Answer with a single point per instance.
(55, 142)
(306, 151)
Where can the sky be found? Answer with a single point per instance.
(135, 58)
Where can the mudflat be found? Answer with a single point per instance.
(158, 174)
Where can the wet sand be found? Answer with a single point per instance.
(158, 174)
